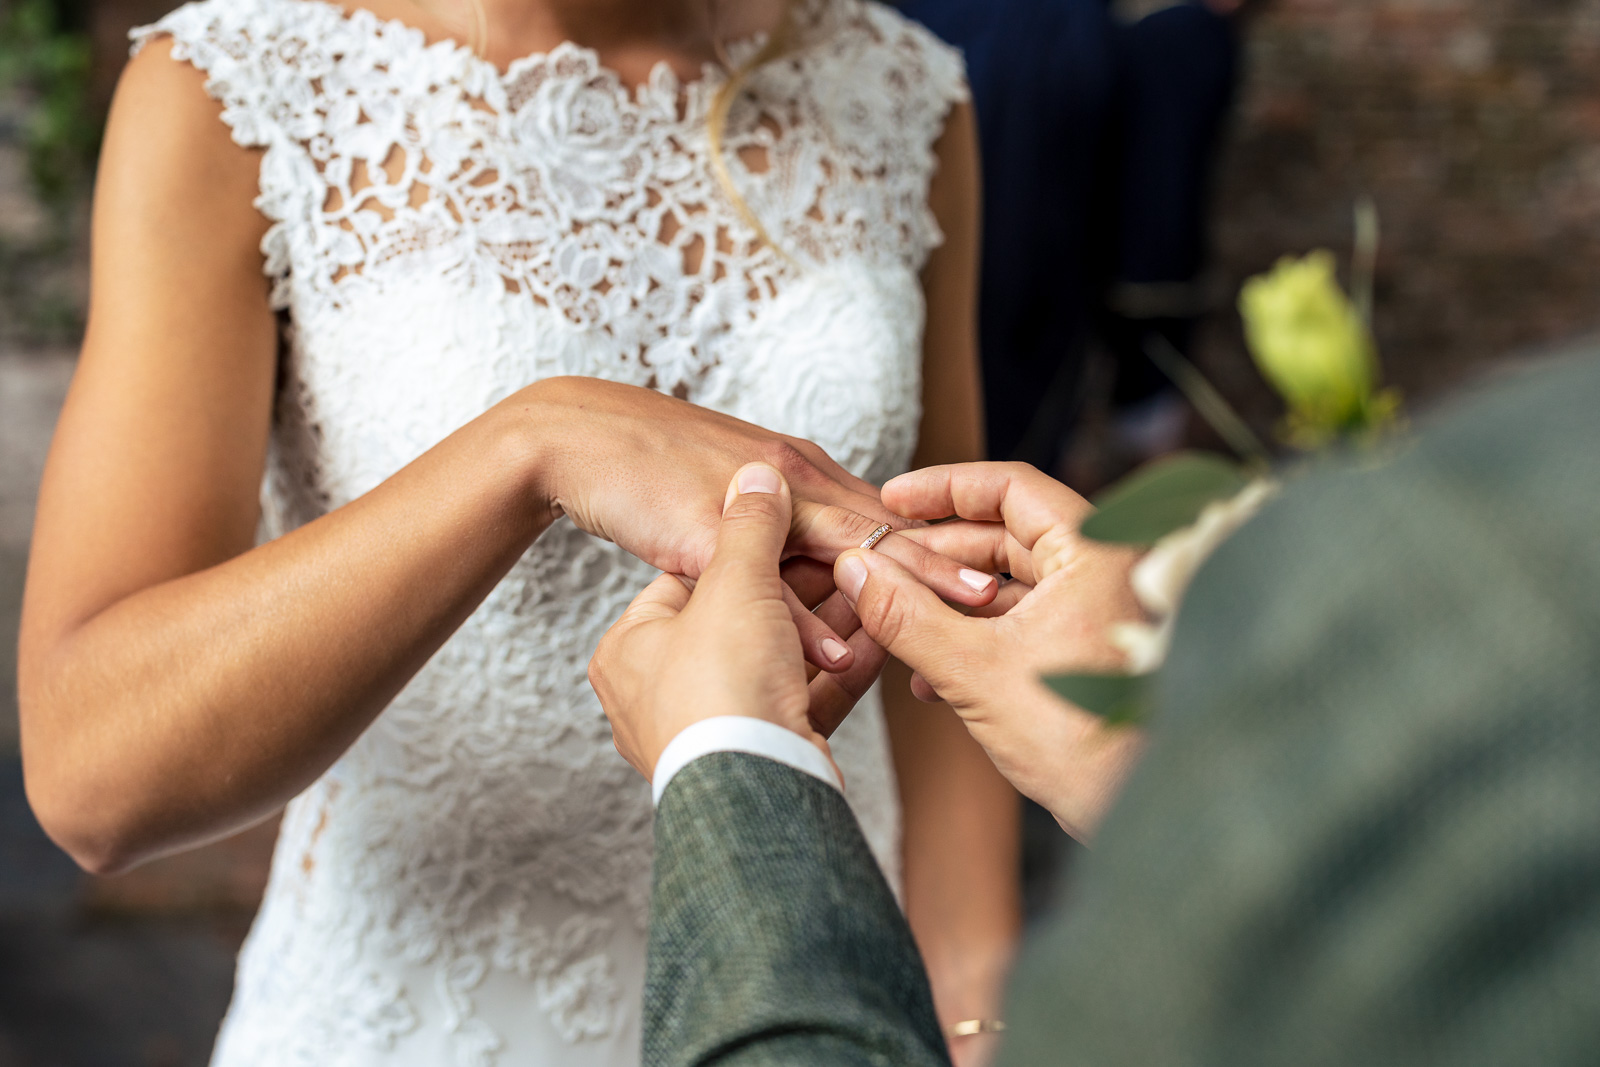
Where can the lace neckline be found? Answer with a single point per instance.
(661, 85)
(551, 176)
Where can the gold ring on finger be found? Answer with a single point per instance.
(877, 535)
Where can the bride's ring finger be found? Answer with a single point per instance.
(823, 531)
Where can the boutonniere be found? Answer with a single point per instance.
(1313, 344)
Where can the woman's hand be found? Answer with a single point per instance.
(649, 473)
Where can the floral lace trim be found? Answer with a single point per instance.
(385, 153)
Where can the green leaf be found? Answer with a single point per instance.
(1116, 698)
(1164, 496)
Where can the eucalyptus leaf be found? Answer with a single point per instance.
(1164, 496)
(1116, 698)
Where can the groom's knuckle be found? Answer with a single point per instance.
(884, 612)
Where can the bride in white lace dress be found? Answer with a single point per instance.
(445, 297)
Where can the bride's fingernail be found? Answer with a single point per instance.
(833, 650)
(851, 577)
(977, 581)
(758, 479)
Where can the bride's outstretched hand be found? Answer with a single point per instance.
(728, 648)
(650, 473)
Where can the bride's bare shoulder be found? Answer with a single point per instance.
(169, 156)
(162, 98)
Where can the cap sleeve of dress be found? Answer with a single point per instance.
(923, 78)
(260, 58)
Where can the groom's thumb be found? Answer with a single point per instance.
(755, 527)
(903, 615)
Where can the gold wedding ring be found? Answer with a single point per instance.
(877, 535)
(968, 1027)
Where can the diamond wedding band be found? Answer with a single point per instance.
(877, 535)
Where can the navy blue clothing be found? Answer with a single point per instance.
(1178, 68)
(1176, 74)
(1097, 142)
(1042, 75)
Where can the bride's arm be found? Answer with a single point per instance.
(961, 816)
(178, 683)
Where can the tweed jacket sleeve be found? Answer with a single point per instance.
(774, 938)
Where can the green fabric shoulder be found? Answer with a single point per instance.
(1367, 827)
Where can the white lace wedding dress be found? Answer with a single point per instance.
(468, 884)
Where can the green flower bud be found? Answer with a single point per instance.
(1311, 344)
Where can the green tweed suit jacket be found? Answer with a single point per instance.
(1366, 830)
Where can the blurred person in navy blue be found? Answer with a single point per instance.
(1042, 75)
(1098, 124)
(1178, 65)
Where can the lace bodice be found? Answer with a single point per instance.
(467, 885)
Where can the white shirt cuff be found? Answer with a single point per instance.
(739, 733)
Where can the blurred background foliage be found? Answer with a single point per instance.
(45, 62)
(49, 133)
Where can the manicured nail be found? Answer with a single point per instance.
(852, 576)
(977, 581)
(833, 650)
(758, 479)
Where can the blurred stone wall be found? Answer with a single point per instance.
(1474, 125)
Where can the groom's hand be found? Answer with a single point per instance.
(1055, 615)
(729, 647)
